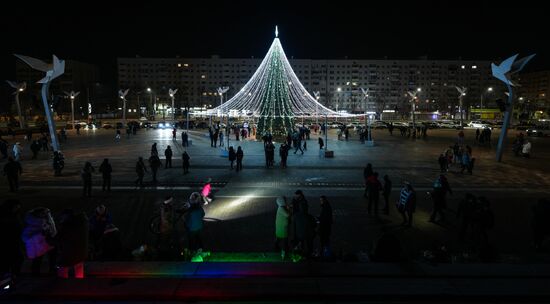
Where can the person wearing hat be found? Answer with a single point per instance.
(194, 222)
(206, 191)
(281, 226)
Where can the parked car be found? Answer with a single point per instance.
(107, 125)
(431, 124)
(478, 124)
(536, 132)
(448, 125)
(378, 124)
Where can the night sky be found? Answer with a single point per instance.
(99, 33)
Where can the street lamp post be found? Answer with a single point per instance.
(489, 90)
(151, 102)
(122, 95)
(339, 90)
(53, 70)
(19, 87)
(72, 95)
(462, 92)
(172, 96)
(317, 94)
(412, 95)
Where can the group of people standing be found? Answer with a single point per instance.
(296, 228)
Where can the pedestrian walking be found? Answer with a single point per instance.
(386, 193)
(106, 169)
(439, 197)
(58, 163)
(240, 155)
(140, 171)
(211, 135)
(406, 205)
(373, 189)
(367, 172)
(17, 151)
(185, 162)
(321, 143)
(35, 148)
(221, 139)
(44, 142)
(442, 160)
(154, 150)
(168, 154)
(174, 133)
(232, 156)
(12, 170)
(155, 164)
(86, 175)
(128, 132)
(325, 226)
(117, 135)
(281, 226)
(477, 134)
(304, 229)
(184, 139)
(283, 153)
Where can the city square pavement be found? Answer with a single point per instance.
(241, 218)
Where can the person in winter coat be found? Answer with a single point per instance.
(194, 222)
(154, 150)
(72, 243)
(466, 159)
(325, 224)
(168, 154)
(86, 175)
(185, 162)
(11, 255)
(439, 196)
(321, 143)
(155, 164)
(281, 226)
(406, 205)
(367, 172)
(140, 171)
(35, 148)
(184, 139)
(526, 149)
(373, 189)
(17, 151)
(283, 153)
(240, 155)
(442, 160)
(58, 163)
(12, 170)
(465, 212)
(106, 169)
(38, 236)
(98, 221)
(386, 193)
(304, 228)
(232, 156)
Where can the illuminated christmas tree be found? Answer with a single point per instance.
(274, 95)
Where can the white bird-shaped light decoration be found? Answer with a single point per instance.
(53, 70)
(172, 92)
(19, 87)
(509, 66)
(122, 94)
(222, 90)
(412, 94)
(317, 94)
(71, 94)
(365, 92)
(461, 90)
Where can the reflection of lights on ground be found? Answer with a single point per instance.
(230, 209)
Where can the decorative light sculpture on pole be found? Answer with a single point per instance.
(172, 94)
(413, 94)
(366, 99)
(221, 92)
(504, 72)
(53, 70)
(462, 91)
(72, 95)
(122, 94)
(19, 87)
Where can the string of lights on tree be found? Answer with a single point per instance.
(274, 93)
